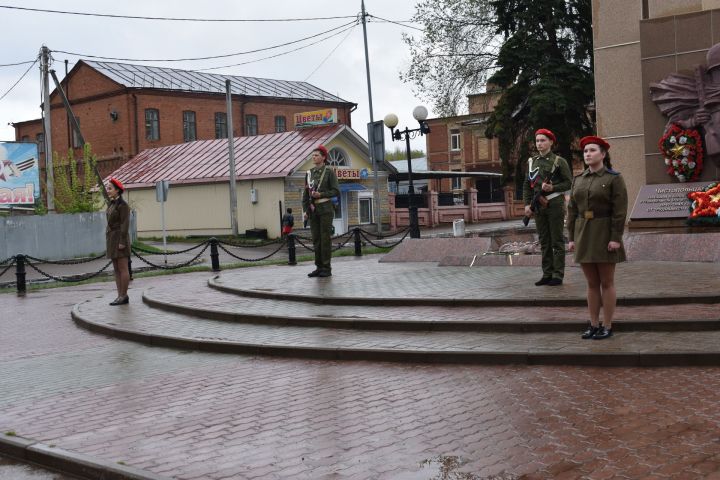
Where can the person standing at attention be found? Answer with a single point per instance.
(117, 239)
(548, 178)
(321, 185)
(596, 220)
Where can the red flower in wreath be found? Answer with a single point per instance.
(706, 203)
(683, 153)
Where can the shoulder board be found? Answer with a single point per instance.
(612, 172)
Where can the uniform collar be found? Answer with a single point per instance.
(599, 173)
(549, 156)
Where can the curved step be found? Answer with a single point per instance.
(139, 322)
(416, 285)
(202, 302)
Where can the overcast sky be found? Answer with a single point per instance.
(342, 73)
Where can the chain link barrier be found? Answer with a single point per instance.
(367, 239)
(8, 260)
(220, 246)
(378, 236)
(10, 265)
(347, 240)
(337, 237)
(71, 278)
(173, 252)
(271, 242)
(65, 262)
(165, 267)
(302, 244)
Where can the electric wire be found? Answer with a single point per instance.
(329, 55)
(18, 81)
(18, 63)
(396, 22)
(277, 54)
(204, 58)
(175, 19)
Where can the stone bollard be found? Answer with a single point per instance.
(358, 245)
(20, 274)
(214, 256)
(292, 259)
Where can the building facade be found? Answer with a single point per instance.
(124, 109)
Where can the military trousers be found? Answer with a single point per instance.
(550, 223)
(321, 229)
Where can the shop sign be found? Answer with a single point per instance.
(326, 116)
(19, 173)
(351, 173)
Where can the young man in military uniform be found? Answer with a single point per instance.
(549, 176)
(320, 186)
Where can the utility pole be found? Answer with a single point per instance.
(231, 151)
(50, 177)
(373, 162)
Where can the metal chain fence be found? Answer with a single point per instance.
(378, 236)
(220, 246)
(394, 244)
(173, 252)
(230, 244)
(72, 278)
(173, 267)
(10, 265)
(65, 262)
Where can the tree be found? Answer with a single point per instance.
(455, 54)
(75, 190)
(401, 154)
(545, 73)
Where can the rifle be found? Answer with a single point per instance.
(535, 204)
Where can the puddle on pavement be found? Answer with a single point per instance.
(451, 468)
(14, 470)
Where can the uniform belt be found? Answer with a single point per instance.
(321, 200)
(589, 215)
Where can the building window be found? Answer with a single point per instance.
(457, 183)
(365, 208)
(221, 130)
(338, 158)
(40, 139)
(251, 126)
(189, 130)
(454, 140)
(280, 125)
(76, 141)
(152, 124)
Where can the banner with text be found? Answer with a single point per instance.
(19, 173)
(315, 118)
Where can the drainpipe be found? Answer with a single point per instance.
(136, 143)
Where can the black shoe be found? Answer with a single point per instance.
(314, 273)
(554, 282)
(602, 333)
(325, 273)
(589, 333)
(543, 281)
(120, 301)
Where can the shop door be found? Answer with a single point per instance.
(340, 220)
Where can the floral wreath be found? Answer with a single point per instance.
(705, 207)
(683, 153)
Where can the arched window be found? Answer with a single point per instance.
(338, 158)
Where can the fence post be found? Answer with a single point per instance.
(358, 246)
(130, 264)
(20, 274)
(214, 256)
(292, 260)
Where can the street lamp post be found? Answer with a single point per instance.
(420, 114)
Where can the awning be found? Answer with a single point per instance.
(352, 187)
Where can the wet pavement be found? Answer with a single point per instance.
(11, 469)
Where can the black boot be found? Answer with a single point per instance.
(602, 333)
(590, 332)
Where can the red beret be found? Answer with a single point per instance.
(547, 133)
(118, 184)
(596, 140)
(321, 149)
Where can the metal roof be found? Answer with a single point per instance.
(142, 76)
(207, 161)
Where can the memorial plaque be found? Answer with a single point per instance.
(666, 200)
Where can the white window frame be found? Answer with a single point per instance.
(456, 182)
(362, 197)
(455, 140)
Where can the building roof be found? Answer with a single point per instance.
(207, 161)
(142, 76)
(418, 164)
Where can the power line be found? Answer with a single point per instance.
(176, 19)
(278, 54)
(18, 63)
(205, 58)
(19, 79)
(397, 22)
(329, 54)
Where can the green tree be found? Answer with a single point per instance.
(401, 154)
(75, 183)
(545, 72)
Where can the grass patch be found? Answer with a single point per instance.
(11, 433)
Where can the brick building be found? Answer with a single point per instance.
(459, 144)
(124, 109)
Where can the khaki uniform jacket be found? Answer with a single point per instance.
(596, 216)
(118, 229)
(328, 188)
(544, 166)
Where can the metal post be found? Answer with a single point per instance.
(49, 173)
(358, 246)
(20, 274)
(214, 257)
(292, 259)
(412, 208)
(231, 151)
(378, 210)
(130, 264)
(162, 221)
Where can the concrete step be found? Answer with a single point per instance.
(140, 322)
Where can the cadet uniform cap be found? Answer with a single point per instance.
(547, 133)
(596, 140)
